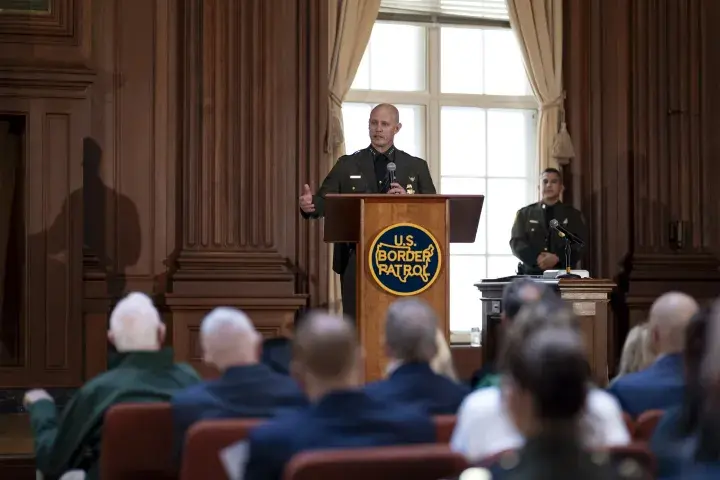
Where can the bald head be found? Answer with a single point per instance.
(669, 317)
(388, 108)
(228, 338)
(325, 347)
(383, 125)
(410, 330)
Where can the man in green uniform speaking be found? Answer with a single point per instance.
(366, 171)
(533, 242)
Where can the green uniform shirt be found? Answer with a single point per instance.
(531, 235)
(72, 441)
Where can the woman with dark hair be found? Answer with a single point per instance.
(545, 388)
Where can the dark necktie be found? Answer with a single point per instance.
(381, 162)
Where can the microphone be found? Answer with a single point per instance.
(565, 233)
(391, 167)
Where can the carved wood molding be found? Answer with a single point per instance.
(61, 37)
(245, 138)
(45, 82)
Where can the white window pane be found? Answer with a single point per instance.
(461, 63)
(504, 72)
(504, 198)
(362, 76)
(467, 186)
(462, 141)
(411, 137)
(355, 125)
(465, 305)
(395, 60)
(511, 143)
(501, 266)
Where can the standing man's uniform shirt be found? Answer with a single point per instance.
(365, 171)
(532, 235)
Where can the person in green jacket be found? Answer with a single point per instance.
(144, 372)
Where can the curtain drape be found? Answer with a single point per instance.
(351, 23)
(538, 25)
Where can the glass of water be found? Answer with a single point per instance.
(475, 337)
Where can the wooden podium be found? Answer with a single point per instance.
(360, 219)
(589, 299)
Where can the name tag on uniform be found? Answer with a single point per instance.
(355, 176)
(533, 221)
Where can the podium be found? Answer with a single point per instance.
(402, 250)
(589, 299)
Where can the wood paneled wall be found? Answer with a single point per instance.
(642, 102)
(185, 127)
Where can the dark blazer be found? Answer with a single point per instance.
(658, 387)
(356, 174)
(417, 385)
(342, 419)
(530, 236)
(252, 391)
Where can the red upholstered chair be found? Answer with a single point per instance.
(205, 440)
(417, 462)
(630, 424)
(444, 426)
(637, 452)
(137, 443)
(646, 423)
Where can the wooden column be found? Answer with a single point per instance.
(249, 130)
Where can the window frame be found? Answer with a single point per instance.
(432, 100)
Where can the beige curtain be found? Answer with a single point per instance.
(351, 22)
(538, 25)
(8, 164)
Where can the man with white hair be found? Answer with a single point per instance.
(144, 372)
(662, 384)
(410, 343)
(246, 388)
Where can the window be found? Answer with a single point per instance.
(467, 108)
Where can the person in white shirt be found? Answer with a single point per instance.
(484, 427)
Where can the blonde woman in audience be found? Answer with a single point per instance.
(636, 353)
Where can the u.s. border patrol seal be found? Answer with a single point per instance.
(405, 259)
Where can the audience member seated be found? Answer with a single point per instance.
(636, 354)
(410, 343)
(327, 362)
(516, 294)
(545, 391)
(675, 434)
(483, 426)
(246, 389)
(442, 362)
(144, 373)
(662, 384)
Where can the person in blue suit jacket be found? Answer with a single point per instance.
(246, 388)
(327, 361)
(410, 342)
(662, 384)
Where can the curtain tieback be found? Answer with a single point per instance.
(557, 102)
(335, 99)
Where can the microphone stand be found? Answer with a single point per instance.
(568, 256)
